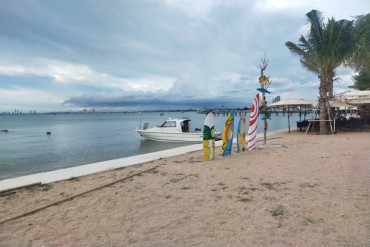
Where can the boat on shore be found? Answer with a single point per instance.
(172, 130)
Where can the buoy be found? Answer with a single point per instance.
(3, 130)
(48, 133)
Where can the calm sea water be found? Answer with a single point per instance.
(78, 139)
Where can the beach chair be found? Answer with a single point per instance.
(341, 124)
(355, 124)
(299, 125)
(304, 124)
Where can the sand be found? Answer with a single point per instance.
(299, 190)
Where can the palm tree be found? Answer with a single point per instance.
(326, 47)
(360, 59)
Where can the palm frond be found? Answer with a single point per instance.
(315, 19)
(295, 49)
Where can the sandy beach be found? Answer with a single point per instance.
(299, 190)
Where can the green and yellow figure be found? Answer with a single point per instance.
(209, 138)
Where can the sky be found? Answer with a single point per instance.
(60, 55)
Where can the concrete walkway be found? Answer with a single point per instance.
(77, 171)
(82, 170)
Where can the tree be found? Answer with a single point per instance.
(325, 48)
(360, 59)
(362, 80)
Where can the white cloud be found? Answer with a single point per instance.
(26, 96)
(68, 73)
(71, 73)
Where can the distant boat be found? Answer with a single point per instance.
(172, 130)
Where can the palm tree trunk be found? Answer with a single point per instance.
(331, 88)
(323, 90)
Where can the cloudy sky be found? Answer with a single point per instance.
(58, 55)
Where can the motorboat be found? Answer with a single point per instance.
(172, 130)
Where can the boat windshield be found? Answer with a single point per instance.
(169, 124)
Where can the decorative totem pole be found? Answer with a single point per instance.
(264, 83)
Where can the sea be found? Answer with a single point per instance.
(82, 138)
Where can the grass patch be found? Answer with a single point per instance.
(310, 221)
(325, 157)
(154, 171)
(185, 188)
(46, 187)
(7, 193)
(278, 211)
(175, 180)
(269, 198)
(74, 179)
(180, 161)
(168, 196)
(272, 186)
(245, 199)
(246, 178)
(245, 191)
(307, 185)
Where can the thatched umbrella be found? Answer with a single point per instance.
(292, 102)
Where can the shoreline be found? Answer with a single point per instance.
(300, 190)
(93, 168)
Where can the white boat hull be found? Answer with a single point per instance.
(171, 136)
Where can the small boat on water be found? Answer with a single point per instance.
(172, 130)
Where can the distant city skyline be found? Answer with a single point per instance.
(143, 55)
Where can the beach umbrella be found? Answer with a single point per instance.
(338, 104)
(357, 98)
(292, 102)
(360, 99)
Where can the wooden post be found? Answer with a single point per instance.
(263, 66)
